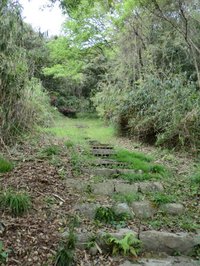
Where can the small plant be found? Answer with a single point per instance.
(5, 165)
(158, 169)
(105, 214)
(3, 253)
(108, 215)
(51, 150)
(69, 144)
(65, 253)
(49, 201)
(139, 177)
(17, 203)
(128, 245)
(195, 179)
(161, 198)
(128, 197)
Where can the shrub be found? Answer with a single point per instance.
(160, 111)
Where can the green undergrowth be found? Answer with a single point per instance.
(160, 198)
(78, 131)
(109, 216)
(50, 150)
(137, 177)
(3, 254)
(180, 222)
(127, 197)
(15, 202)
(5, 165)
(128, 245)
(139, 161)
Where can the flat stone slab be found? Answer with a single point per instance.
(170, 243)
(102, 146)
(123, 187)
(143, 209)
(169, 261)
(103, 152)
(173, 208)
(104, 188)
(107, 172)
(150, 187)
(122, 208)
(109, 163)
(87, 209)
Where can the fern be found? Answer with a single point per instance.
(127, 245)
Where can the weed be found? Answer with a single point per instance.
(65, 253)
(139, 161)
(51, 150)
(129, 244)
(130, 156)
(91, 242)
(139, 177)
(155, 224)
(64, 256)
(108, 215)
(17, 203)
(69, 144)
(161, 198)
(49, 201)
(105, 214)
(128, 197)
(158, 169)
(195, 179)
(5, 165)
(3, 253)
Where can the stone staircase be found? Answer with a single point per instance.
(154, 242)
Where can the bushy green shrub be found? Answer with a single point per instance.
(162, 111)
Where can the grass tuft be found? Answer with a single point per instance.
(139, 177)
(51, 150)
(17, 203)
(128, 197)
(161, 198)
(5, 165)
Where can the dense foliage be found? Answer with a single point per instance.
(23, 102)
(148, 81)
(136, 61)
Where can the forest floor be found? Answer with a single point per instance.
(57, 170)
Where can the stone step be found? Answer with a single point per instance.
(102, 147)
(108, 172)
(167, 261)
(103, 152)
(108, 163)
(155, 242)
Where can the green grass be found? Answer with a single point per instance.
(162, 198)
(139, 161)
(5, 165)
(128, 197)
(130, 156)
(78, 130)
(137, 177)
(17, 203)
(51, 150)
(108, 215)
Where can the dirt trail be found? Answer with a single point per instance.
(74, 183)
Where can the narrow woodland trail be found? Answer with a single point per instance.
(82, 175)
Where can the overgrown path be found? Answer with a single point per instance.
(117, 201)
